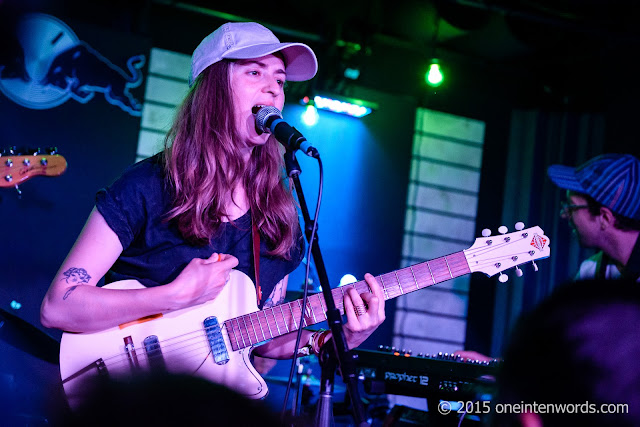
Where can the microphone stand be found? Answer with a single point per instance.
(340, 354)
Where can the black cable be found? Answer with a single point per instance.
(306, 288)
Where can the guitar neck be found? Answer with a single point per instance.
(256, 327)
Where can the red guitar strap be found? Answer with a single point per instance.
(256, 259)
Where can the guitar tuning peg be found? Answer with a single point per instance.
(518, 271)
(503, 278)
(502, 229)
(519, 225)
(535, 266)
(486, 232)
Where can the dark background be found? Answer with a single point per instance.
(498, 57)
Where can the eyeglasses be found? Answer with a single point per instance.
(566, 209)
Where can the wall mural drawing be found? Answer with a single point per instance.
(46, 64)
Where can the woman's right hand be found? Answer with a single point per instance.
(202, 280)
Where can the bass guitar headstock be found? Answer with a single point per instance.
(18, 166)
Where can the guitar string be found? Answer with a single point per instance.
(390, 289)
(169, 346)
(179, 345)
(183, 341)
(168, 349)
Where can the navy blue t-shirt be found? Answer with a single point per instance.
(155, 253)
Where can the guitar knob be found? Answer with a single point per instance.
(502, 229)
(519, 225)
(518, 272)
(503, 278)
(486, 232)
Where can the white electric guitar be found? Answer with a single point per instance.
(214, 340)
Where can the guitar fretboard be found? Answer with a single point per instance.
(259, 326)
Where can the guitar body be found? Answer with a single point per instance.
(181, 338)
(201, 340)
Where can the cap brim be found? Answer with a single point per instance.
(565, 178)
(301, 62)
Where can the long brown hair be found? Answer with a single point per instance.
(203, 166)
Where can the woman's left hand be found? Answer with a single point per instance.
(365, 312)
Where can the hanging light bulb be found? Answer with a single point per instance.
(434, 76)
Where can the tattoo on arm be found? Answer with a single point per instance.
(71, 289)
(76, 275)
(276, 297)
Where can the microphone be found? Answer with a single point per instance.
(269, 119)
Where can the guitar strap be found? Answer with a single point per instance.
(256, 259)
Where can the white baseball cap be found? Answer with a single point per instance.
(245, 40)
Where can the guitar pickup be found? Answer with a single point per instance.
(216, 341)
(130, 351)
(154, 353)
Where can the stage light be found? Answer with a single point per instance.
(434, 76)
(347, 279)
(349, 106)
(310, 115)
(352, 73)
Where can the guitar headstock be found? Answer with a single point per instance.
(17, 167)
(495, 254)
